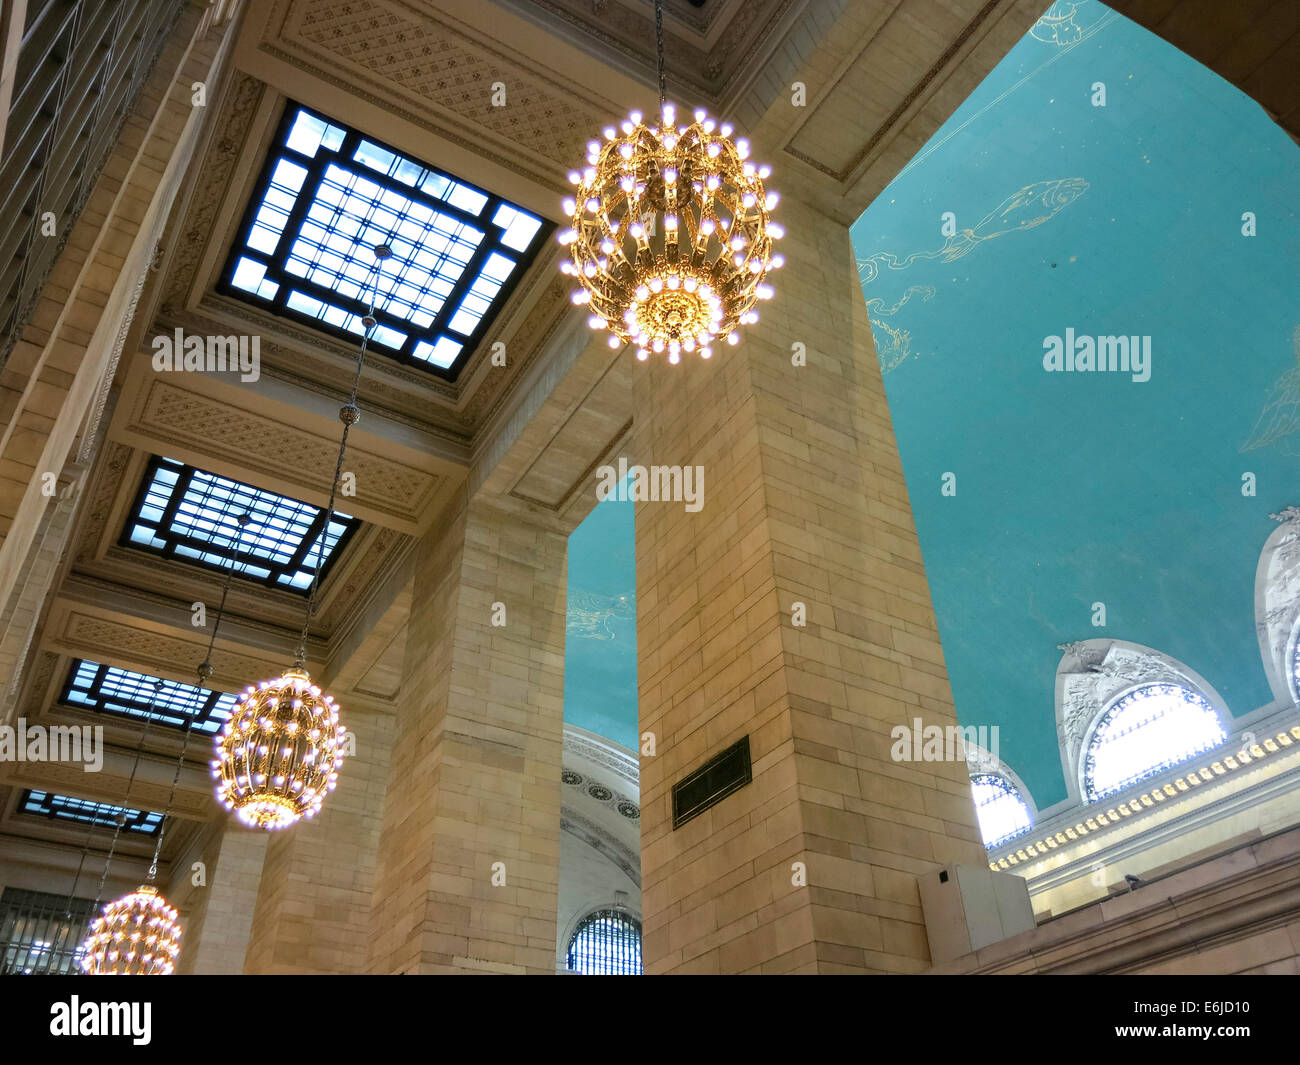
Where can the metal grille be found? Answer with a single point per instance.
(41, 934)
(105, 815)
(81, 65)
(189, 514)
(607, 943)
(123, 692)
(327, 196)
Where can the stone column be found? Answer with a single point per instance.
(468, 865)
(313, 903)
(220, 911)
(804, 503)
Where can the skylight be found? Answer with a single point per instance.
(186, 513)
(1001, 812)
(111, 690)
(1146, 732)
(66, 808)
(328, 195)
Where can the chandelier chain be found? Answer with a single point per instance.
(348, 420)
(659, 51)
(204, 673)
(121, 817)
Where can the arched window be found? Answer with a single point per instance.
(606, 943)
(1002, 813)
(1146, 732)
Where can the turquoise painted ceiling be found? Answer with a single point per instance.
(600, 630)
(1090, 487)
(1072, 488)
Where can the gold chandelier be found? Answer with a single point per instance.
(671, 233)
(279, 754)
(138, 935)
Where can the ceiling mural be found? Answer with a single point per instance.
(600, 632)
(1083, 298)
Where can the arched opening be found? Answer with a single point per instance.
(606, 943)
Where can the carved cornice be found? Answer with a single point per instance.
(596, 837)
(107, 479)
(602, 752)
(172, 585)
(214, 177)
(603, 793)
(154, 652)
(165, 411)
(626, 35)
(395, 48)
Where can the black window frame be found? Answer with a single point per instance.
(242, 558)
(57, 807)
(151, 712)
(316, 167)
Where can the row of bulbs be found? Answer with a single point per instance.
(671, 238)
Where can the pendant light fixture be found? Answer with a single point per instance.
(139, 934)
(279, 754)
(671, 239)
(119, 939)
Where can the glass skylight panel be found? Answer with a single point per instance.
(1145, 732)
(110, 690)
(1001, 812)
(520, 227)
(183, 512)
(67, 808)
(328, 196)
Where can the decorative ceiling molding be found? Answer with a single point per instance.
(603, 842)
(115, 574)
(175, 416)
(213, 182)
(602, 793)
(1277, 604)
(114, 460)
(391, 51)
(158, 653)
(623, 763)
(707, 50)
